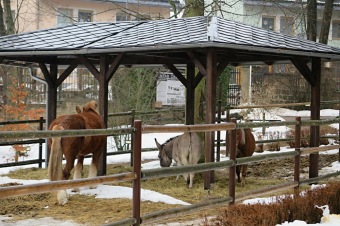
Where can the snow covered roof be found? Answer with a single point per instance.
(160, 36)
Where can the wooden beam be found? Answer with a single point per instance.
(303, 68)
(190, 96)
(211, 79)
(90, 66)
(197, 62)
(315, 115)
(114, 66)
(50, 81)
(51, 98)
(198, 79)
(65, 74)
(177, 73)
(221, 66)
(103, 107)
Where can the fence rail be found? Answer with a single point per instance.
(137, 174)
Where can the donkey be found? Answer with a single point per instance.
(184, 149)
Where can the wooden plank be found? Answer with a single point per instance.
(188, 128)
(318, 149)
(18, 190)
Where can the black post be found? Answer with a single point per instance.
(41, 127)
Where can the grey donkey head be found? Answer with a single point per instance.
(164, 154)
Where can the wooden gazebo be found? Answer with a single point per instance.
(206, 43)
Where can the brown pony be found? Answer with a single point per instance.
(245, 143)
(75, 147)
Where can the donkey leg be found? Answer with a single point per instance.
(78, 171)
(178, 164)
(191, 179)
(185, 162)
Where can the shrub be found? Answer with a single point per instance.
(288, 208)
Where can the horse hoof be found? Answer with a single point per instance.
(62, 197)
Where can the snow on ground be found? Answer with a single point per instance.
(105, 191)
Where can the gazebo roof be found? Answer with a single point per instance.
(243, 43)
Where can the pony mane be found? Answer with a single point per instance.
(169, 140)
(92, 105)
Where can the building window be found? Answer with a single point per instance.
(64, 17)
(287, 25)
(85, 16)
(268, 22)
(122, 16)
(336, 29)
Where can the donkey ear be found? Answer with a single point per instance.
(158, 145)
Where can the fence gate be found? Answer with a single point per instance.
(234, 95)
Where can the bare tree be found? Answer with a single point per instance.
(326, 21)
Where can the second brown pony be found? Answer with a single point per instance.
(75, 147)
(245, 143)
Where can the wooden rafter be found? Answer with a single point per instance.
(89, 66)
(114, 66)
(66, 73)
(303, 68)
(46, 74)
(197, 62)
(177, 73)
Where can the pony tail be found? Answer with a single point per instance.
(55, 171)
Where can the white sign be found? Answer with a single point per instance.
(170, 92)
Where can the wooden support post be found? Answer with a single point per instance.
(137, 156)
(103, 108)
(297, 158)
(315, 115)
(232, 169)
(41, 127)
(190, 97)
(51, 78)
(219, 112)
(211, 76)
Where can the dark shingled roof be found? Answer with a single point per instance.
(159, 35)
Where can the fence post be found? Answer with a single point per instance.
(133, 115)
(297, 157)
(41, 127)
(218, 138)
(227, 151)
(264, 120)
(232, 169)
(137, 148)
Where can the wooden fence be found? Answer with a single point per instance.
(137, 174)
(39, 141)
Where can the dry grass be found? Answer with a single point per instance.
(92, 211)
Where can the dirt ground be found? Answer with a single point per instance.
(90, 211)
